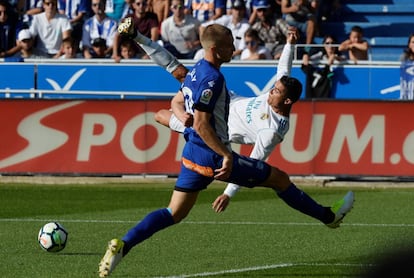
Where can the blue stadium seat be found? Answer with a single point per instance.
(389, 41)
(371, 29)
(377, 13)
(387, 25)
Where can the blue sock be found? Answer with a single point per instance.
(300, 201)
(152, 223)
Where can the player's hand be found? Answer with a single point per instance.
(293, 35)
(221, 203)
(187, 119)
(224, 172)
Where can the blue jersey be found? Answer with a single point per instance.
(204, 89)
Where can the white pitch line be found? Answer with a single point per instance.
(208, 222)
(264, 267)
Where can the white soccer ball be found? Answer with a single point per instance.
(52, 237)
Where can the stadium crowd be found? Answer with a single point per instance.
(62, 29)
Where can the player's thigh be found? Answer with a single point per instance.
(248, 172)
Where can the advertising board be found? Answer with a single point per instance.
(106, 137)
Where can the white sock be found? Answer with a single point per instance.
(158, 54)
(176, 125)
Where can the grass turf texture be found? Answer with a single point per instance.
(257, 236)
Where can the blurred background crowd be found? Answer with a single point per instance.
(65, 29)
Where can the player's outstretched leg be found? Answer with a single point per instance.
(330, 216)
(152, 223)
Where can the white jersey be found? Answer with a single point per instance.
(253, 121)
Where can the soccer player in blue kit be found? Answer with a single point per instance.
(207, 154)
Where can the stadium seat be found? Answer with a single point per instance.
(387, 25)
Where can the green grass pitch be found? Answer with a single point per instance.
(257, 236)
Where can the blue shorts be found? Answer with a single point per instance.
(198, 164)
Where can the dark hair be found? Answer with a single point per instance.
(293, 87)
(408, 54)
(327, 36)
(69, 40)
(357, 29)
(253, 33)
(334, 40)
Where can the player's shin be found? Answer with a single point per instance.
(157, 53)
(302, 202)
(152, 223)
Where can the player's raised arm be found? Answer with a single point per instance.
(285, 62)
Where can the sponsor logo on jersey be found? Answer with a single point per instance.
(264, 116)
(206, 96)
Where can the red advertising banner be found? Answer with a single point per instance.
(107, 137)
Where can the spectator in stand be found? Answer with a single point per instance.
(254, 47)
(329, 51)
(99, 48)
(128, 50)
(98, 26)
(275, 7)
(145, 22)
(272, 31)
(220, 9)
(118, 9)
(355, 46)
(238, 24)
(50, 29)
(205, 10)
(25, 42)
(28, 9)
(8, 31)
(69, 47)
(76, 11)
(180, 32)
(408, 54)
(406, 75)
(161, 8)
(319, 80)
(302, 15)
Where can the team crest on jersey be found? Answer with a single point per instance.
(206, 96)
(264, 116)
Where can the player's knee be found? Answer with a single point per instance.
(278, 179)
(161, 118)
(178, 217)
(158, 117)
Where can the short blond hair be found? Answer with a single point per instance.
(214, 34)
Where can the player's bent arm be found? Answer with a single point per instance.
(178, 109)
(204, 129)
(265, 143)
